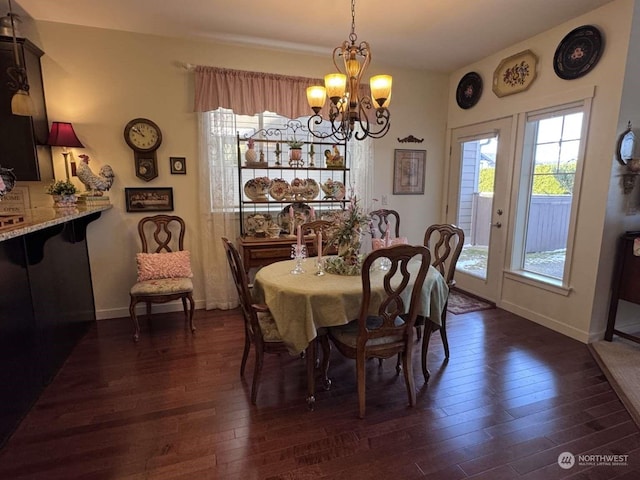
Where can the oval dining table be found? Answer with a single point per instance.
(304, 303)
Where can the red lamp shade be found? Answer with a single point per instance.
(62, 135)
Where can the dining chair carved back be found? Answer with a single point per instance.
(445, 242)
(390, 331)
(379, 221)
(259, 326)
(164, 267)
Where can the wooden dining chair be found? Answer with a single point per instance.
(389, 331)
(260, 329)
(164, 267)
(379, 220)
(445, 242)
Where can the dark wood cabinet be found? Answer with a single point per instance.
(23, 140)
(626, 283)
(46, 306)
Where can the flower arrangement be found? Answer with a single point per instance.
(347, 236)
(61, 187)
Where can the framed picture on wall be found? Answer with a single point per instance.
(178, 165)
(409, 172)
(149, 199)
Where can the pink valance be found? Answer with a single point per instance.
(250, 93)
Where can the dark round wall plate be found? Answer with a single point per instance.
(578, 52)
(469, 90)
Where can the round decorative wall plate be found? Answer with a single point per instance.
(469, 90)
(578, 52)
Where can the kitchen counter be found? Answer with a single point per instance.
(40, 218)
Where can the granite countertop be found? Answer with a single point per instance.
(39, 218)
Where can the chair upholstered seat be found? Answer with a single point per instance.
(268, 327)
(348, 334)
(162, 286)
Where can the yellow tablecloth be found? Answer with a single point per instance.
(300, 304)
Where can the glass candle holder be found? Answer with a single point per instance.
(299, 253)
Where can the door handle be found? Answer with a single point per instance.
(497, 224)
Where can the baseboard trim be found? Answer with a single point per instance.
(548, 322)
(141, 309)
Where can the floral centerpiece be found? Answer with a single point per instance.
(347, 236)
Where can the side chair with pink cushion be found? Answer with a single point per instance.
(164, 268)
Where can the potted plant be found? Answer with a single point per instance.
(63, 192)
(295, 149)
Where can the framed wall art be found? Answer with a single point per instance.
(178, 165)
(409, 171)
(515, 74)
(149, 199)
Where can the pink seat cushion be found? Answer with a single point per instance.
(379, 242)
(155, 266)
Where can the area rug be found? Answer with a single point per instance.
(460, 302)
(619, 361)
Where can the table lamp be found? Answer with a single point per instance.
(62, 135)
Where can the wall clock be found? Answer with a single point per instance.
(144, 137)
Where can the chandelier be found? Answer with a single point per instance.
(347, 107)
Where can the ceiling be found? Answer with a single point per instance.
(437, 35)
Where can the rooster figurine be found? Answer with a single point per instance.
(97, 184)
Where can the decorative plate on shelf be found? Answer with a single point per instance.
(279, 189)
(312, 189)
(257, 188)
(469, 90)
(578, 52)
(301, 214)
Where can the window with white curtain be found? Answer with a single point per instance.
(552, 157)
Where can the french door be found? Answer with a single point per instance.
(478, 202)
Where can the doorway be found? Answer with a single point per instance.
(478, 202)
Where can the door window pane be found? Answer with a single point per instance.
(475, 203)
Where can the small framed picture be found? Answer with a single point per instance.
(178, 165)
(149, 199)
(409, 171)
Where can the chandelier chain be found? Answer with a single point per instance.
(352, 36)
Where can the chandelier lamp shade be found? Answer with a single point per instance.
(63, 135)
(21, 102)
(348, 107)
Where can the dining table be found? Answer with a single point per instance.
(305, 303)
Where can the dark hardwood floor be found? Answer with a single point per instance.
(512, 398)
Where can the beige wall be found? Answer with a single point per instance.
(100, 79)
(572, 314)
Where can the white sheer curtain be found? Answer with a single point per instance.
(218, 183)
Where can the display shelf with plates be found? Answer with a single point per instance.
(312, 186)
